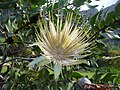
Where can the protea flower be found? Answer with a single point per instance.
(63, 42)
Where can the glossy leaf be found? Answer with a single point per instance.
(89, 1)
(100, 44)
(93, 19)
(98, 18)
(78, 3)
(41, 60)
(9, 26)
(76, 75)
(91, 6)
(110, 17)
(101, 24)
(113, 35)
(57, 71)
(14, 24)
(117, 10)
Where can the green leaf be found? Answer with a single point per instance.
(38, 2)
(98, 18)
(97, 76)
(7, 86)
(44, 62)
(110, 17)
(50, 71)
(78, 3)
(7, 4)
(3, 0)
(117, 79)
(41, 60)
(12, 73)
(76, 75)
(56, 6)
(117, 10)
(14, 24)
(57, 71)
(4, 69)
(9, 26)
(101, 24)
(43, 74)
(91, 6)
(93, 19)
(112, 35)
(107, 77)
(112, 78)
(61, 3)
(89, 1)
(100, 44)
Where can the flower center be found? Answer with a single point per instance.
(57, 54)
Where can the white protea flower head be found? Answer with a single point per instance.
(63, 42)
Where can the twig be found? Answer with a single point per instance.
(21, 58)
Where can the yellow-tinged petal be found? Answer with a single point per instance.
(63, 42)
